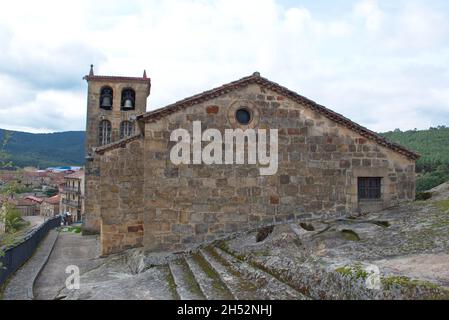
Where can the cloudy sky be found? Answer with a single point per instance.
(384, 64)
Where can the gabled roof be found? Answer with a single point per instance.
(53, 200)
(35, 199)
(255, 78)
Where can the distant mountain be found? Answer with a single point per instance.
(45, 149)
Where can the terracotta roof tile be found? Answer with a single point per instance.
(35, 199)
(53, 200)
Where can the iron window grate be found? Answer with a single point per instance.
(369, 188)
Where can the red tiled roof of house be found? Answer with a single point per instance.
(35, 199)
(53, 200)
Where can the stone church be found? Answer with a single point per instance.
(136, 196)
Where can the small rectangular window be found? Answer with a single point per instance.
(369, 188)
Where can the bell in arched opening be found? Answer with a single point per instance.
(128, 99)
(106, 98)
(106, 102)
(128, 104)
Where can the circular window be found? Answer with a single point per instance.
(243, 116)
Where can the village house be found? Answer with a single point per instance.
(26, 207)
(50, 206)
(33, 179)
(13, 201)
(72, 195)
(328, 165)
(37, 201)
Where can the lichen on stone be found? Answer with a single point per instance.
(356, 271)
(443, 205)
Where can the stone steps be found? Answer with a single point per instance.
(170, 281)
(207, 278)
(214, 274)
(240, 288)
(268, 286)
(186, 285)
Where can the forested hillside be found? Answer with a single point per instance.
(433, 145)
(45, 149)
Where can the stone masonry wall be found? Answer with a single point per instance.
(94, 115)
(91, 223)
(319, 162)
(48, 210)
(121, 198)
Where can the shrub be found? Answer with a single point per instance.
(10, 216)
(423, 196)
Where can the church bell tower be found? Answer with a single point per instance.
(113, 103)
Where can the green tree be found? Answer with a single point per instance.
(432, 145)
(4, 156)
(10, 189)
(10, 216)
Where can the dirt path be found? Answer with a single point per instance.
(70, 249)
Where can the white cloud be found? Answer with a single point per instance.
(421, 27)
(371, 12)
(297, 20)
(58, 110)
(383, 66)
